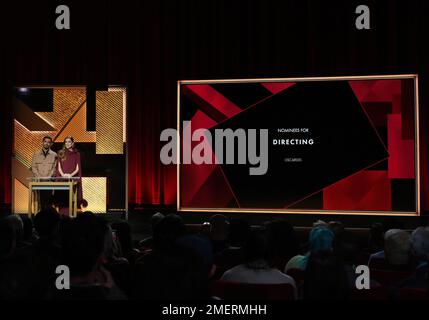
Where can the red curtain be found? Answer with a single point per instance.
(149, 45)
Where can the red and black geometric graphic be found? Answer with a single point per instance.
(362, 159)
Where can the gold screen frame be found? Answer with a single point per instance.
(180, 208)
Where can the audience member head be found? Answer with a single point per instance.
(376, 237)
(320, 223)
(336, 227)
(321, 239)
(123, 234)
(346, 246)
(112, 248)
(420, 243)
(167, 231)
(202, 247)
(219, 227)
(282, 239)
(7, 238)
(18, 226)
(257, 249)
(397, 247)
(239, 230)
(155, 219)
(46, 223)
(83, 243)
(28, 228)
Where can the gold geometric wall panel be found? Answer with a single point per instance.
(124, 108)
(77, 128)
(20, 205)
(94, 191)
(68, 118)
(27, 142)
(66, 102)
(109, 122)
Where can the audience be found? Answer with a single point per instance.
(84, 248)
(258, 267)
(397, 250)
(325, 277)
(179, 264)
(321, 239)
(177, 268)
(147, 243)
(219, 229)
(420, 254)
(234, 254)
(283, 242)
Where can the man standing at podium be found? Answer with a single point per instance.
(43, 166)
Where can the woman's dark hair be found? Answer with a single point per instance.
(283, 242)
(257, 247)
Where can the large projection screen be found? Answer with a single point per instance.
(342, 145)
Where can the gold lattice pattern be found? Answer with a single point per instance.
(27, 142)
(94, 191)
(109, 122)
(66, 102)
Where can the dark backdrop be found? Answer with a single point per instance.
(149, 45)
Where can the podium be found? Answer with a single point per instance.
(54, 183)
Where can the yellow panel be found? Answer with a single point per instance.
(27, 142)
(94, 191)
(124, 109)
(66, 102)
(20, 204)
(77, 128)
(109, 122)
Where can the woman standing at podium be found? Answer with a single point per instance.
(69, 165)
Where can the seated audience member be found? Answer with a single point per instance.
(84, 243)
(325, 277)
(8, 289)
(7, 239)
(29, 234)
(420, 245)
(283, 242)
(321, 238)
(396, 253)
(146, 244)
(376, 238)
(167, 231)
(336, 227)
(258, 266)
(165, 234)
(420, 253)
(115, 263)
(219, 229)
(234, 254)
(122, 230)
(202, 246)
(179, 271)
(18, 226)
(33, 266)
